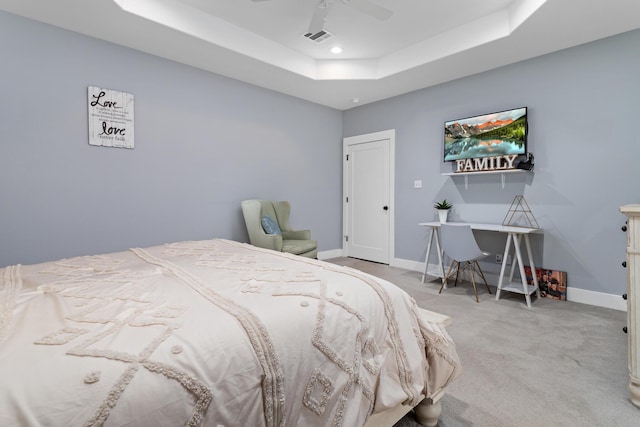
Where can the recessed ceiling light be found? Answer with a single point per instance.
(336, 50)
(355, 100)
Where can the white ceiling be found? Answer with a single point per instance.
(423, 43)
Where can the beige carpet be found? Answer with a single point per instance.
(556, 364)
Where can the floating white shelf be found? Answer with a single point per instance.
(466, 174)
(486, 172)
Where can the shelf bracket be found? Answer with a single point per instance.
(466, 182)
(503, 179)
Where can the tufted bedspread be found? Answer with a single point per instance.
(212, 333)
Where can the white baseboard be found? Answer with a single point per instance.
(334, 253)
(599, 299)
(407, 265)
(582, 296)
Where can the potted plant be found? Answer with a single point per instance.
(443, 210)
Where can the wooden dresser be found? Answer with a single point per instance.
(633, 298)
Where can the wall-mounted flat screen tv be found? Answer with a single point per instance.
(495, 134)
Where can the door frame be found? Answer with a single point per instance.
(389, 135)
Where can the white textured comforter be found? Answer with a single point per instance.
(212, 333)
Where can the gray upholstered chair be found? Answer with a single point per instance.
(261, 215)
(459, 244)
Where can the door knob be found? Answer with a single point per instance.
(386, 208)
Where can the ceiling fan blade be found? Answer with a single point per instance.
(319, 17)
(371, 9)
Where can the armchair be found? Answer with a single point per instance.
(281, 238)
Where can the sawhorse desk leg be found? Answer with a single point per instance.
(515, 239)
(433, 235)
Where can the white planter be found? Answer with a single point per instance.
(442, 215)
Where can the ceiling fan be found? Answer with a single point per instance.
(365, 6)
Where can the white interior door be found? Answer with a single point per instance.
(368, 200)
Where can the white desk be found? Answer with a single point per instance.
(514, 237)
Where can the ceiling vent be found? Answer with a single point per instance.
(318, 37)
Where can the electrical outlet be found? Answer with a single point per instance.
(417, 183)
(499, 259)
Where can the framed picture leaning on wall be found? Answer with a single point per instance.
(553, 283)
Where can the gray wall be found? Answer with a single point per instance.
(203, 143)
(583, 112)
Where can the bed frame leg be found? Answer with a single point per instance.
(427, 412)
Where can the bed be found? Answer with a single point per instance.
(213, 333)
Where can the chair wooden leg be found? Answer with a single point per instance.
(473, 281)
(446, 276)
(482, 275)
(457, 272)
(473, 268)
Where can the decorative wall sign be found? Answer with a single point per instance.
(110, 118)
(494, 163)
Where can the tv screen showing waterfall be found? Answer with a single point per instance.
(495, 134)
